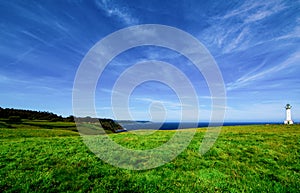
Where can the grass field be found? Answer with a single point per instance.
(39, 156)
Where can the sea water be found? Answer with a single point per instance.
(183, 125)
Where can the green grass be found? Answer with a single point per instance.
(262, 158)
(37, 124)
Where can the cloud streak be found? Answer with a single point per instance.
(113, 10)
(236, 30)
(251, 79)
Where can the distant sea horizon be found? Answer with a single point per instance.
(137, 125)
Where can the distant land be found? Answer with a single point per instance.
(115, 126)
(11, 115)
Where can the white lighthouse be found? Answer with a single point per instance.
(288, 119)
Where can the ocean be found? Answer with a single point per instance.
(183, 125)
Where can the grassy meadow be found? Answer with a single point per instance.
(41, 156)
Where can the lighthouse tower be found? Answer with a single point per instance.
(288, 119)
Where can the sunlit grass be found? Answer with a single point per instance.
(264, 158)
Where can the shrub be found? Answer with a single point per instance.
(14, 119)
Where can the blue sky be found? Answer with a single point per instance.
(255, 44)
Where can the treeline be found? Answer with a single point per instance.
(15, 114)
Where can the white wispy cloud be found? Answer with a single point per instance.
(235, 36)
(253, 77)
(35, 37)
(293, 33)
(167, 103)
(251, 11)
(242, 36)
(113, 10)
(152, 101)
(23, 55)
